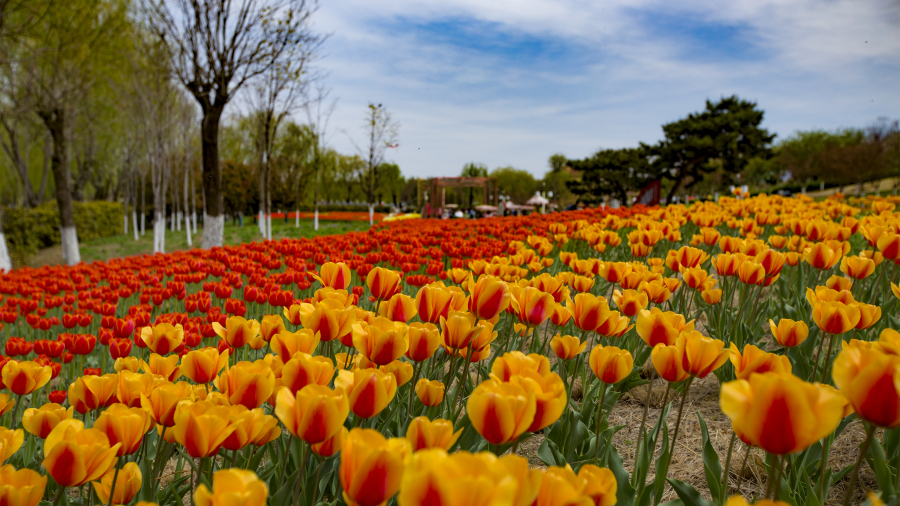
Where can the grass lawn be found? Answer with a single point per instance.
(124, 245)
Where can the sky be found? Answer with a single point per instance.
(506, 82)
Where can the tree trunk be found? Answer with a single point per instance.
(54, 120)
(316, 194)
(187, 221)
(5, 260)
(674, 187)
(143, 210)
(214, 219)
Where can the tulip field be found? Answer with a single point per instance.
(547, 360)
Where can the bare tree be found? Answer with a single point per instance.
(382, 132)
(318, 114)
(217, 47)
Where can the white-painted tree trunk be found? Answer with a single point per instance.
(125, 218)
(159, 233)
(134, 224)
(194, 218)
(5, 260)
(187, 228)
(316, 218)
(371, 214)
(69, 243)
(261, 222)
(213, 228)
(297, 219)
(178, 222)
(143, 224)
(268, 233)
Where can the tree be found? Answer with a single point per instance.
(473, 169)
(864, 161)
(519, 185)
(218, 47)
(725, 136)
(381, 132)
(318, 114)
(391, 182)
(612, 172)
(801, 153)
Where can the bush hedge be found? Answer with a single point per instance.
(357, 208)
(30, 229)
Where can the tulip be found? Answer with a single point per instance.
(270, 325)
(567, 347)
(6, 403)
(615, 325)
(382, 342)
(424, 434)
(124, 425)
(128, 484)
(756, 361)
(725, 265)
(432, 302)
(822, 256)
(532, 306)
(702, 355)
(330, 446)
(132, 364)
(600, 486)
(330, 319)
(459, 329)
(202, 366)
(857, 267)
(295, 312)
(462, 478)
(870, 380)
(560, 486)
(630, 302)
(130, 386)
(549, 395)
(588, 311)
(489, 296)
(10, 442)
(368, 390)
(232, 487)
(237, 331)
(825, 294)
(41, 421)
(516, 362)
(247, 383)
(610, 364)
(781, 413)
(163, 338)
(383, 283)
(23, 378)
(88, 393)
(164, 398)
(399, 308)
(656, 291)
(835, 317)
(889, 246)
(751, 272)
(202, 427)
(658, 327)
(424, 339)
(371, 467)
(740, 501)
(694, 278)
(401, 371)
(74, 455)
(500, 411)
(21, 488)
(868, 315)
(334, 275)
(430, 392)
(667, 360)
(286, 343)
(305, 370)
(249, 425)
(167, 367)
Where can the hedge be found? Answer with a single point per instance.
(30, 229)
(325, 208)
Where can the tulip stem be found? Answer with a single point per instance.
(870, 431)
(778, 465)
(300, 475)
(599, 413)
(640, 436)
(827, 358)
(412, 389)
(15, 411)
(818, 356)
(112, 490)
(59, 497)
(724, 491)
(687, 388)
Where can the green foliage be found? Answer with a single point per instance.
(473, 169)
(391, 182)
(519, 185)
(30, 229)
(612, 172)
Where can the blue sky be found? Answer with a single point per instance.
(511, 82)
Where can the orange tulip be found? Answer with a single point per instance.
(839, 283)
(694, 278)
(203, 365)
(23, 378)
(371, 467)
(459, 329)
(423, 434)
(772, 261)
(329, 318)
(167, 367)
(74, 455)
(430, 392)
(825, 294)
(330, 446)
(656, 291)
(232, 487)
(712, 296)
(41, 421)
(857, 267)
(515, 362)
(238, 331)
(383, 283)
(270, 325)
(870, 380)
(889, 246)
(10, 442)
(400, 370)
(615, 325)
(88, 393)
(588, 311)
(399, 308)
(751, 273)
(658, 327)
(533, 306)
(789, 333)
(132, 364)
(21, 488)
(781, 413)
(128, 484)
(567, 347)
(6, 403)
(702, 355)
(835, 317)
(549, 397)
(630, 302)
(755, 361)
(489, 296)
(334, 275)
(163, 399)
(610, 364)
(725, 265)
(822, 255)
(303, 370)
(286, 343)
(162, 338)
(668, 362)
(124, 425)
(424, 339)
(315, 414)
(382, 341)
(202, 427)
(432, 302)
(368, 390)
(131, 386)
(501, 411)
(561, 315)
(247, 383)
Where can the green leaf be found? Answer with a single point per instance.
(877, 461)
(549, 453)
(283, 496)
(688, 494)
(624, 490)
(711, 465)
